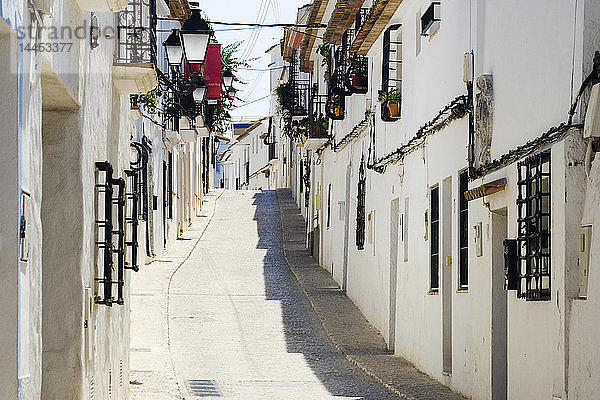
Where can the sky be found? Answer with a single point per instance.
(254, 43)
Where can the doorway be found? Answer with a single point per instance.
(447, 275)
(394, 225)
(499, 307)
(346, 230)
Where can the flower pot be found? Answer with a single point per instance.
(358, 82)
(393, 109)
(319, 131)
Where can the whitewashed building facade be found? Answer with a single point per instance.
(411, 214)
(74, 147)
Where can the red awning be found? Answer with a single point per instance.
(211, 69)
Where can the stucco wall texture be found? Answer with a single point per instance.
(549, 345)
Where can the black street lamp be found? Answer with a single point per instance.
(200, 91)
(195, 36)
(173, 49)
(228, 79)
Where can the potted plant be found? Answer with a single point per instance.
(334, 106)
(391, 99)
(356, 74)
(284, 95)
(319, 126)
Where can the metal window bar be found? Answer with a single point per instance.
(131, 220)
(318, 122)
(307, 183)
(300, 87)
(434, 246)
(104, 189)
(533, 239)
(136, 33)
(119, 203)
(361, 206)
(386, 67)
(170, 181)
(361, 17)
(140, 165)
(463, 236)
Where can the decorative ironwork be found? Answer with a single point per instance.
(534, 222)
(306, 178)
(434, 244)
(391, 70)
(361, 17)
(136, 33)
(318, 123)
(300, 87)
(361, 206)
(105, 241)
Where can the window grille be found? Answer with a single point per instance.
(434, 246)
(391, 69)
(329, 206)
(360, 208)
(307, 183)
(111, 205)
(301, 176)
(318, 123)
(136, 33)
(463, 239)
(533, 238)
(301, 88)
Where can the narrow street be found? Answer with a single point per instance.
(234, 321)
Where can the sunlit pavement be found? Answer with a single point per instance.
(234, 323)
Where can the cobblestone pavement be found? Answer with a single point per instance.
(345, 325)
(222, 314)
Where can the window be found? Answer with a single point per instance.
(391, 72)
(301, 176)
(533, 238)
(405, 229)
(430, 21)
(418, 34)
(360, 207)
(434, 245)
(329, 207)
(463, 235)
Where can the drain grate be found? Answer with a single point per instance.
(204, 388)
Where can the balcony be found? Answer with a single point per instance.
(318, 122)
(135, 58)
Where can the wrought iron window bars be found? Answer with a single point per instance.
(361, 206)
(105, 240)
(136, 176)
(391, 66)
(318, 122)
(136, 33)
(533, 241)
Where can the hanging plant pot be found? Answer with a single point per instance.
(299, 111)
(393, 109)
(359, 82)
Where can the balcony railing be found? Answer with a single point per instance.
(136, 33)
(318, 123)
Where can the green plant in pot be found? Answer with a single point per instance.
(355, 72)
(334, 105)
(319, 125)
(391, 100)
